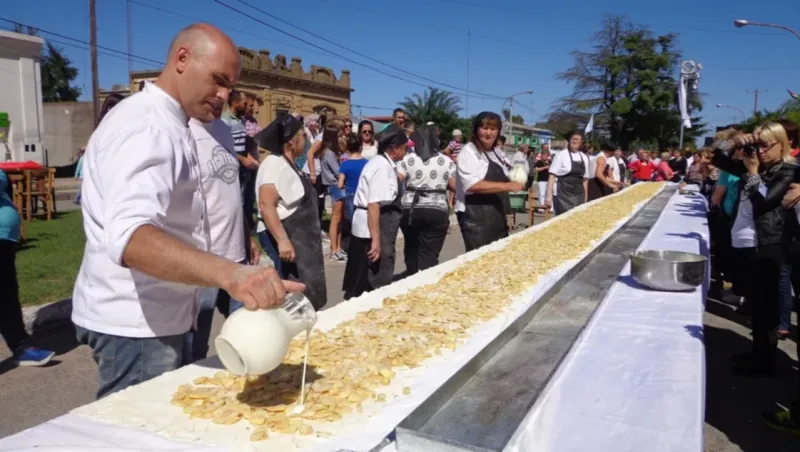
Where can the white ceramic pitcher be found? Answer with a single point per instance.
(255, 342)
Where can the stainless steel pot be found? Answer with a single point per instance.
(672, 271)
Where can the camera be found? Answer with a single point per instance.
(749, 150)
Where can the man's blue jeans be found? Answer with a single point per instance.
(127, 361)
(197, 339)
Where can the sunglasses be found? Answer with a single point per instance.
(366, 132)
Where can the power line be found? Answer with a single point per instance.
(233, 29)
(373, 108)
(373, 68)
(109, 54)
(69, 38)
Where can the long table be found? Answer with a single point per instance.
(635, 378)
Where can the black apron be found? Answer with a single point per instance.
(598, 189)
(382, 271)
(419, 193)
(570, 186)
(483, 220)
(302, 227)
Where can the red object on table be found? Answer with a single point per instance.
(20, 166)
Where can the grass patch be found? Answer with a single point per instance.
(49, 258)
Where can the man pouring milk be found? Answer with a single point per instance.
(145, 219)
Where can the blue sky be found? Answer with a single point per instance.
(516, 45)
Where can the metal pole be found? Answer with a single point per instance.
(130, 36)
(469, 44)
(93, 52)
(680, 146)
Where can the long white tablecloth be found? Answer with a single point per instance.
(635, 380)
(633, 375)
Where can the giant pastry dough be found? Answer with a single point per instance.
(357, 358)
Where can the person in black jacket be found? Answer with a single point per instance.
(789, 420)
(766, 170)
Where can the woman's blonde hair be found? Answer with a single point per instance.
(774, 132)
(665, 156)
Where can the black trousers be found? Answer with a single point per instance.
(722, 259)
(356, 271)
(12, 327)
(247, 182)
(320, 197)
(761, 282)
(424, 237)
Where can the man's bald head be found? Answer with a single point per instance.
(202, 39)
(203, 66)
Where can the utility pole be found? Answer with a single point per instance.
(469, 44)
(755, 99)
(130, 36)
(93, 51)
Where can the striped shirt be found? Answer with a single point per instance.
(455, 148)
(238, 132)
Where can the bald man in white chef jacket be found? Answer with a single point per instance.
(146, 221)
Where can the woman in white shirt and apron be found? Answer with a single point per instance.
(287, 206)
(376, 219)
(603, 183)
(570, 169)
(482, 185)
(428, 175)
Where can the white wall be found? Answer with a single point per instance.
(21, 96)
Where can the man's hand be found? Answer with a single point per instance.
(792, 196)
(514, 186)
(548, 202)
(259, 287)
(255, 252)
(251, 163)
(374, 252)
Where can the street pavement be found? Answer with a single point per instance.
(29, 396)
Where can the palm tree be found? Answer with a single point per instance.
(433, 105)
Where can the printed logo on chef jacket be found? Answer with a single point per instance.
(223, 166)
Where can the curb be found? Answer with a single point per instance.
(50, 315)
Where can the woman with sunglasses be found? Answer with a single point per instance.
(366, 133)
(766, 170)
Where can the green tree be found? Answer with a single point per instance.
(58, 74)
(562, 123)
(441, 107)
(628, 80)
(516, 119)
(58, 71)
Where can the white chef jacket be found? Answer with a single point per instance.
(614, 164)
(471, 168)
(219, 172)
(141, 167)
(561, 165)
(592, 165)
(377, 183)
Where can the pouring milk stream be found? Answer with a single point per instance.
(255, 342)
